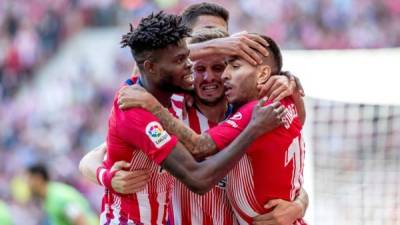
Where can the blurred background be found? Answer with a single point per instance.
(60, 63)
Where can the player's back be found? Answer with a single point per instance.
(271, 169)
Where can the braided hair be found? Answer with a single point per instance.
(156, 31)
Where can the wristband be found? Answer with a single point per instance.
(104, 177)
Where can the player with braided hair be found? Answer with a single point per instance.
(136, 135)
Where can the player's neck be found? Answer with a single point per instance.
(216, 112)
(164, 97)
(238, 104)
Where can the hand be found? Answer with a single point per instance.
(277, 87)
(250, 47)
(128, 182)
(136, 96)
(267, 118)
(299, 88)
(283, 213)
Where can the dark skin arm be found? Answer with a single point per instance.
(200, 177)
(199, 145)
(280, 86)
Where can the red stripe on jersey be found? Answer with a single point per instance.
(194, 122)
(271, 167)
(148, 206)
(189, 208)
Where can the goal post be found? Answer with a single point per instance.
(352, 133)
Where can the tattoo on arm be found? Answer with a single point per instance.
(205, 146)
(186, 135)
(198, 145)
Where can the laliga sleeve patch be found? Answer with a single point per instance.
(157, 134)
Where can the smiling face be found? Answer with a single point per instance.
(241, 79)
(208, 85)
(171, 68)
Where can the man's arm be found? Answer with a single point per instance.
(200, 177)
(91, 161)
(284, 212)
(300, 107)
(244, 45)
(124, 182)
(284, 85)
(199, 146)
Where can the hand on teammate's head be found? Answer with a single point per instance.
(295, 81)
(250, 47)
(280, 86)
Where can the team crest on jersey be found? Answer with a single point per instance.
(157, 134)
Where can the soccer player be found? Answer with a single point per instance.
(62, 203)
(211, 15)
(209, 93)
(250, 47)
(210, 108)
(136, 135)
(272, 167)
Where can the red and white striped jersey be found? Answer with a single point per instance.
(136, 135)
(212, 208)
(271, 168)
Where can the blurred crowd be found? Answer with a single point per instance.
(31, 32)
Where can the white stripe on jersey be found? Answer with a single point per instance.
(144, 208)
(161, 199)
(116, 208)
(218, 209)
(175, 101)
(195, 211)
(176, 204)
(203, 121)
(240, 179)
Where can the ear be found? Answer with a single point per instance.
(149, 67)
(264, 75)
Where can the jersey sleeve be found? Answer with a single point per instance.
(143, 130)
(227, 131)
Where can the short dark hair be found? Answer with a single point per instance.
(276, 52)
(39, 169)
(191, 13)
(206, 34)
(156, 31)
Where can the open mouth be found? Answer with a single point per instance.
(228, 89)
(189, 78)
(209, 88)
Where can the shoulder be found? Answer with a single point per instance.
(244, 110)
